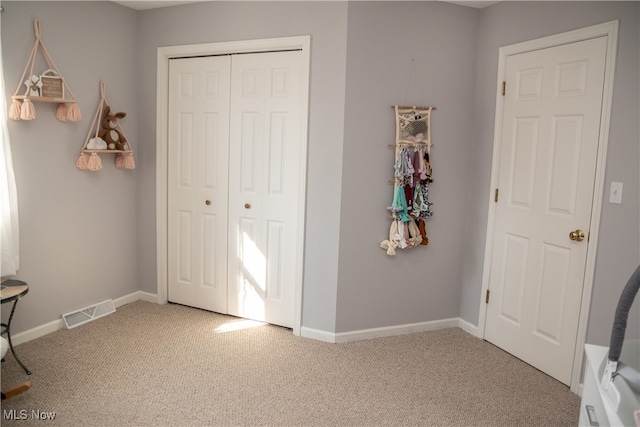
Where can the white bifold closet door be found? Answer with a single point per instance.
(234, 187)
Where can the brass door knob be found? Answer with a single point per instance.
(207, 202)
(247, 206)
(577, 235)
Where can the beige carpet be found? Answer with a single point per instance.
(153, 365)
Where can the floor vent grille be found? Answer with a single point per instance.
(87, 314)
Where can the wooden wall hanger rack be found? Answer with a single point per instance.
(94, 144)
(412, 175)
(50, 86)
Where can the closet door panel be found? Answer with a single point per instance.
(198, 135)
(265, 145)
(277, 141)
(251, 144)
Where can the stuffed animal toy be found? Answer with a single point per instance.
(110, 132)
(34, 85)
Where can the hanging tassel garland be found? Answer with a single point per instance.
(82, 161)
(120, 161)
(73, 113)
(28, 111)
(94, 163)
(14, 110)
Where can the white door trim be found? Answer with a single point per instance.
(610, 30)
(164, 54)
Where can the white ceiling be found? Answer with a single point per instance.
(155, 4)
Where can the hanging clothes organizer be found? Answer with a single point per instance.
(412, 175)
(50, 86)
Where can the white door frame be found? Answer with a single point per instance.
(302, 43)
(610, 30)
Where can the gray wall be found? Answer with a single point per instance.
(618, 252)
(88, 236)
(78, 229)
(225, 21)
(405, 53)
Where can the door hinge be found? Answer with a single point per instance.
(504, 88)
(486, 298)
(495, 196)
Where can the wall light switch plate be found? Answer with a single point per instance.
(616, 193)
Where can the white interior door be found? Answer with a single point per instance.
(236, 183)
(265, 185)
(549, 145)
(198, 144)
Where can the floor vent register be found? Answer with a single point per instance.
(87, 314)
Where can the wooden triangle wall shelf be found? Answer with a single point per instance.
(50, 86)
(94, 144)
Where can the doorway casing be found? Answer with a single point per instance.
(610, 30)
(164, 54)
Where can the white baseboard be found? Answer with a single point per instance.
(388, 331)
(318, 335)
(47, 328)
(37, 332)
(305, 332)
(469, 328)
(140, 295)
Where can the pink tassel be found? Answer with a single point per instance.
(82, 162)
(61, 112)
(28, 111)
(120, 161)
(73, 113)
(14, 110)
(94, 163)
(125, 161)
(128, 162)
